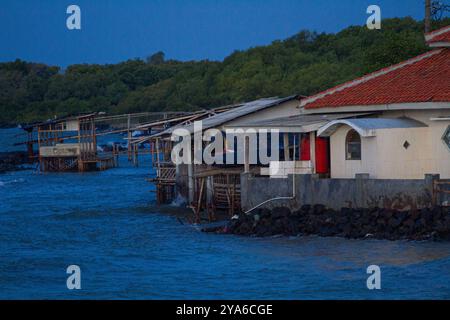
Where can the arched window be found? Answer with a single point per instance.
(353, 146)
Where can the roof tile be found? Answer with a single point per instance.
(425, 78)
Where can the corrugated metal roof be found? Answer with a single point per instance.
(367, 127)
(245, 109)
(227, 116)
(300, 120)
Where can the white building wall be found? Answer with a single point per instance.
(384, 156)
(343, 168)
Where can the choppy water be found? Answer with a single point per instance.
(107, 223)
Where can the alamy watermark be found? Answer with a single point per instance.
(239, 146)
(374, 20)
(73, 22)
(74, 280)
(374, 280)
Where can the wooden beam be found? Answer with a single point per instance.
(247, 155)
(286, 146)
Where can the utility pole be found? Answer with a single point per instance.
(129, 137)
(427, 16)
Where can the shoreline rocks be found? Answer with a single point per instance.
(376, 223)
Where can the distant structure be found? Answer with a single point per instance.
(70, 143)
(168, 176)
(67, 144)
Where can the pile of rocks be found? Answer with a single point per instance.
(428, 223)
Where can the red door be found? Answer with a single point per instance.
(322, 155)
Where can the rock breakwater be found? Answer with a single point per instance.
(423, 224)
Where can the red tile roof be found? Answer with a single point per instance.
(425, 78)
(441, 35)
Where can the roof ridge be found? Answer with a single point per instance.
(430, 35)
(370, 76)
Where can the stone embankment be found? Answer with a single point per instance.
(423, 224)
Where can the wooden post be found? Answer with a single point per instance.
(191, 181)
(39, 150)
(135, 155)
(286, 146)
(80, 157)
(152, 152)
(157, 153)
(129, 137)
(117, 155)
(199, 202)
(210, 197)
(94, 138)
(247, 155)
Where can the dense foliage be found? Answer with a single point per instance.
(304, 64)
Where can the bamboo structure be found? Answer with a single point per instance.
(217, 189)
(68, 144)
(165, 179)
(161, 148)
(209, 189)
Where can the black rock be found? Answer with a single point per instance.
(280, 212)
(264, 212)
(305, 209)
(319, 209)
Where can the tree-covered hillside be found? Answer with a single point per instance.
(305, 64)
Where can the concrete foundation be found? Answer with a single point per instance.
(360, 192)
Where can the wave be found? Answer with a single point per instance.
(4, 183)
(179, 201)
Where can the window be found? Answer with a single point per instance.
(353, 146)
(293, 141)
(446, 137)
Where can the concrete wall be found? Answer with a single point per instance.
(384, 157)
(338, 193)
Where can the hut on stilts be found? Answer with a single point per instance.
(208, 189)
(67, 144)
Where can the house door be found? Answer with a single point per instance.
(322, 155)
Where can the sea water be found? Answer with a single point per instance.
(108, 224)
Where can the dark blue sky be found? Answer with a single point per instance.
(117, 30)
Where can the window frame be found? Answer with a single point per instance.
(348, 155)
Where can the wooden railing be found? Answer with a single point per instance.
(166, 173)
